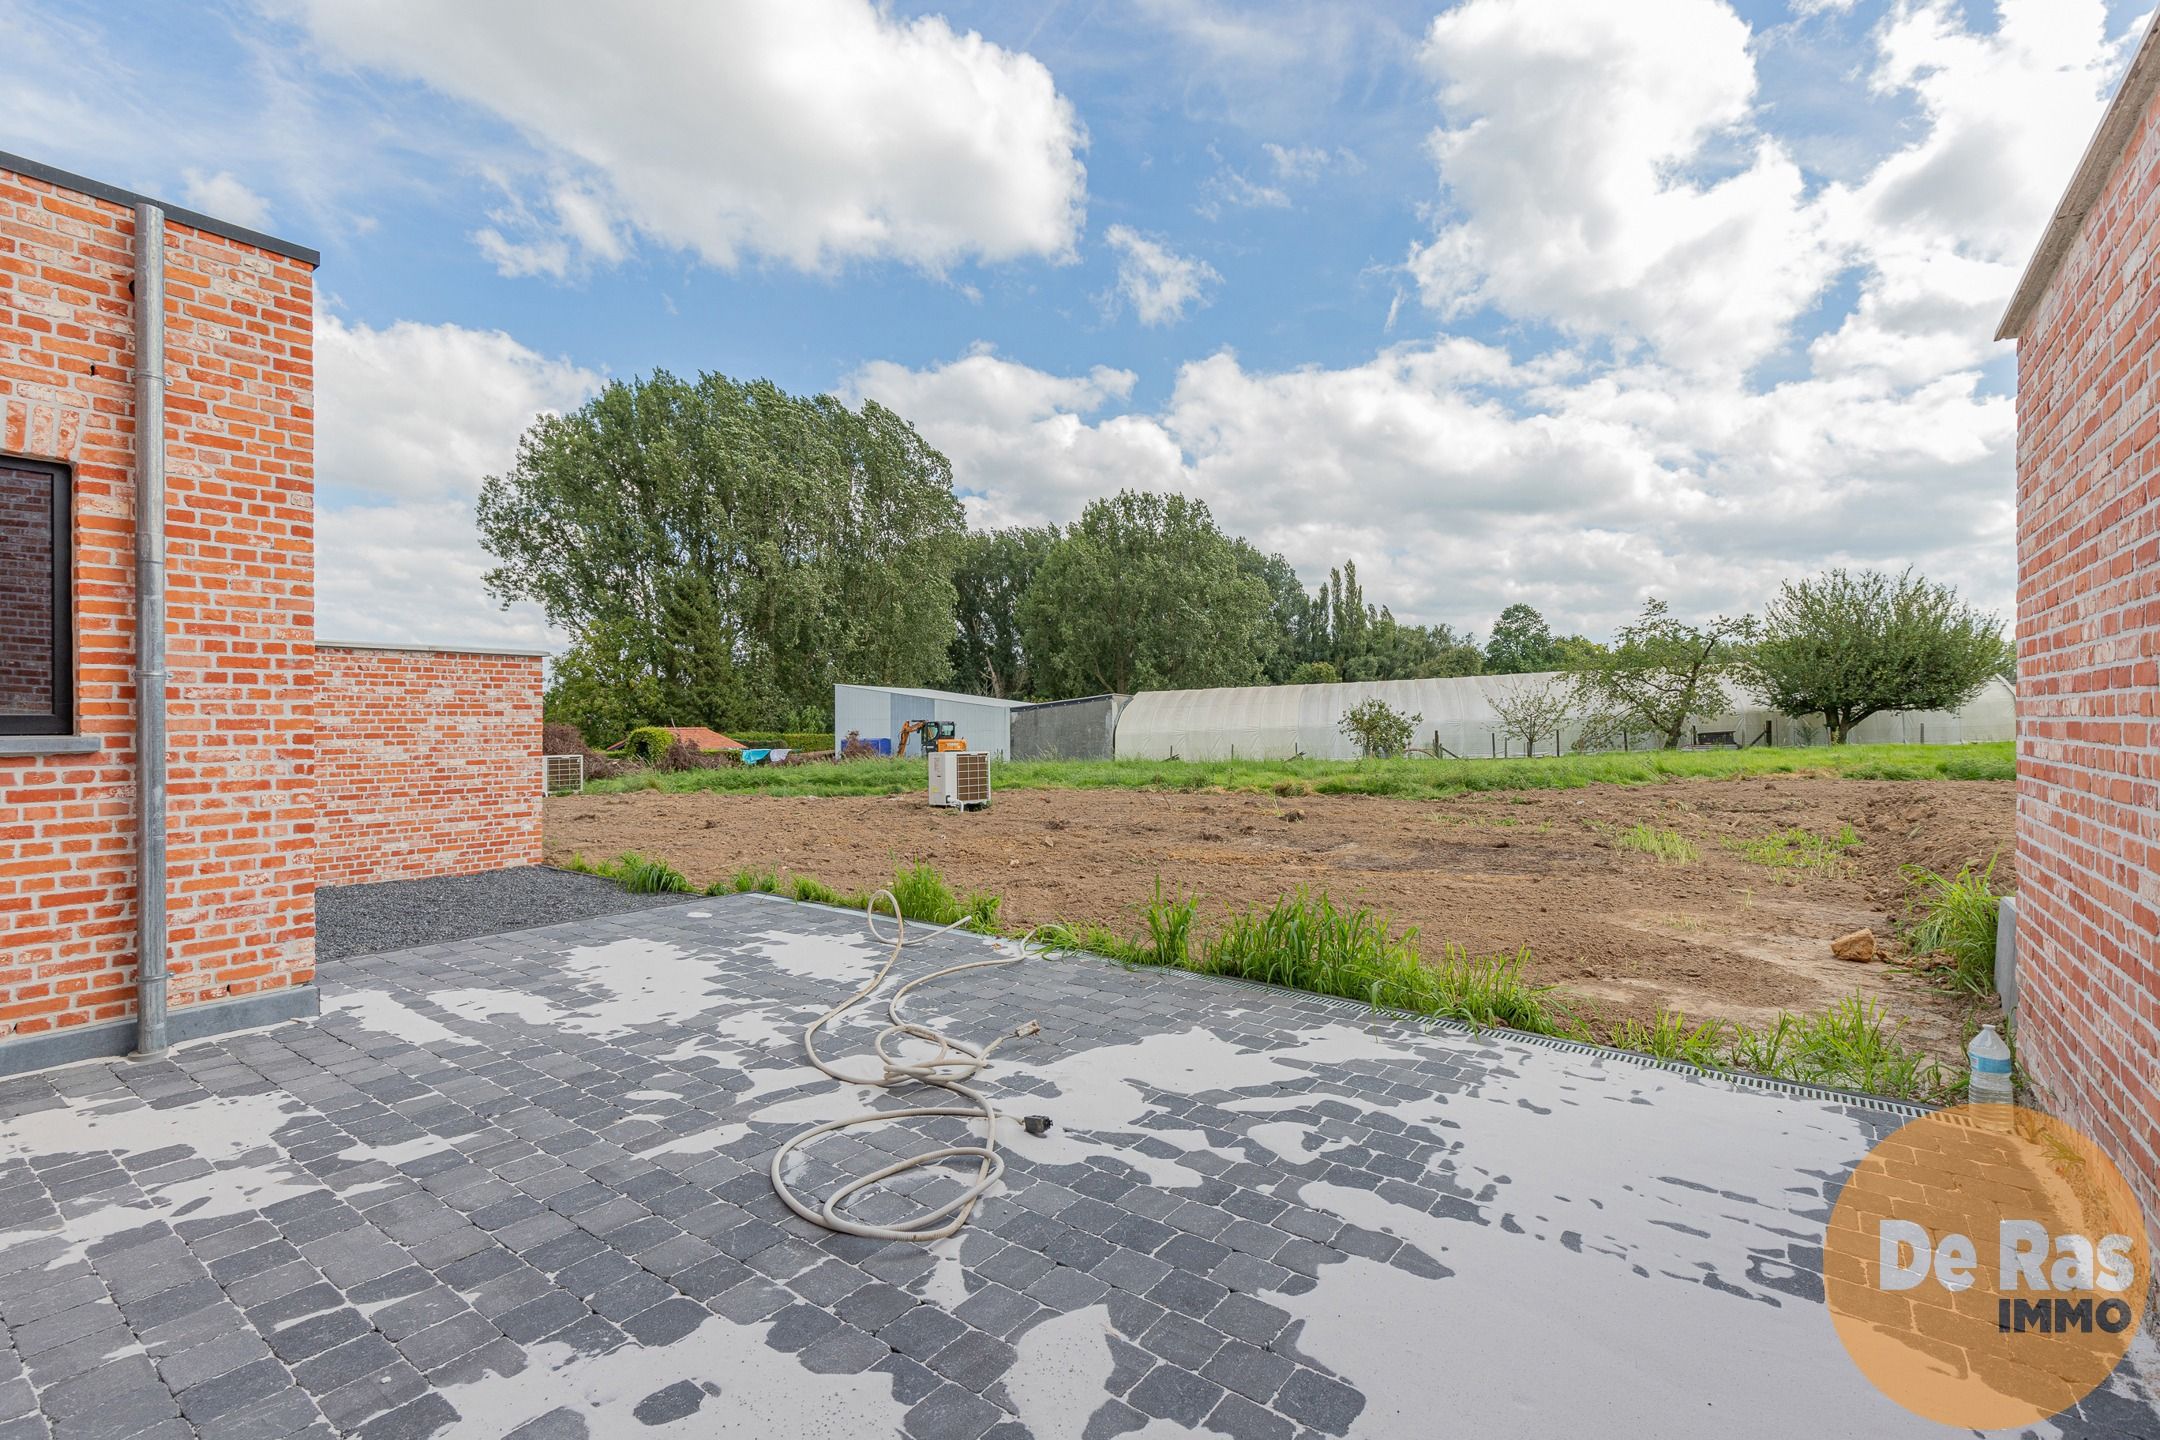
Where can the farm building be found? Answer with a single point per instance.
(2086, 318)
(1456, 717)
(1082, 729)
(181, 761)
(876, 712)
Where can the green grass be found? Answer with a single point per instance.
(1798, 849)
(1670, 1037)
(1669, 846)
(640, 875)
(1405, 778)
(1955, 916)
(1305, 941)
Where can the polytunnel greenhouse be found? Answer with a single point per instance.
(1456, 718)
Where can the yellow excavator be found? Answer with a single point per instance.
(937, 735)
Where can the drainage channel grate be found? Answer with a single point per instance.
(1740, 1079)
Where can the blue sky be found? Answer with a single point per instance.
(1549, 300)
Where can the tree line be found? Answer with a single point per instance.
(722, 553)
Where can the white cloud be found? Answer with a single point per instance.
(410, 419)
(1308, 162)
(813, 133)
(1462, 480)
(1155, 280)
(223, 196)
(1023, 450)
(1604, 176)
(1944, 226)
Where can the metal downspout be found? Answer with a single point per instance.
(150, 736)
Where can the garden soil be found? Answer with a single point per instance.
(1544, 871)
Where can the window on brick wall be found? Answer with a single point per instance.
(37, 621)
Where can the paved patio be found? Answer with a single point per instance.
(517, 1186)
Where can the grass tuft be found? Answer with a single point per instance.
(1670, 1037)
(1669, 846)
(642, 875)
(1956, 916)
(1169, 920)
(1798, 849)
(1306, 942)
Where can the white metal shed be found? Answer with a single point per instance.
(876, 712)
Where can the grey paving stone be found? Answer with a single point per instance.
(1321, 1401)
(844, 1350)
(921, 1332)
(1169, 1392)
(951, 1413)
(1241, 1419)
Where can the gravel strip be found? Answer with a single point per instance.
(401, 914)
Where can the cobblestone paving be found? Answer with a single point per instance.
(517, 1186)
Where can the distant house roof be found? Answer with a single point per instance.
(2117, 126)
(701, 737)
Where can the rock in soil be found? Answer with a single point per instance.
(1858, 946)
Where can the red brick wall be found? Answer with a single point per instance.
(428, 763)
(2088, 837)
(240, 448)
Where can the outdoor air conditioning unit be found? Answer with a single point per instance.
(960, 779)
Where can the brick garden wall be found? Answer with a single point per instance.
(240, 447)
(2088, 834)
(429, 763)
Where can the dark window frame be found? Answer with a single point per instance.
(61, 719)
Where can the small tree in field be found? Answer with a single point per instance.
(1846, 646)
(1380, 730)
(1531, 713)
(1662, 672)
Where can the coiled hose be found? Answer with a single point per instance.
(954, 1063)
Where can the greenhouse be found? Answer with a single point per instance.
(1455, 717)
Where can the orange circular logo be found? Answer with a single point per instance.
(1987, 1266)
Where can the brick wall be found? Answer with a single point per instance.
(428, 763)
(240, 447)
(2088, 836)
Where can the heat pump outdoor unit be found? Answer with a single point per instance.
(960, 779)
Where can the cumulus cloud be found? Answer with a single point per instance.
(223, 196)
(410, 419)
(1155, 280)
(1462, 480)
(1024, 449)
(1645, 459)
(721, 129)
(1576, 160)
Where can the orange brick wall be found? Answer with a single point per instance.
(2088, 833)
(429, 763)
(240, 447)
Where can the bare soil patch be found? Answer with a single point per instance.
(1720, 935)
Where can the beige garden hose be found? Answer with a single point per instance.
(954, 1063)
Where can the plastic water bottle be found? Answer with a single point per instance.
(1990, 1058)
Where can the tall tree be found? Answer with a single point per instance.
(1521, 642)
(993, 574)
(721, 551)
(1661, 672)
(1846, 646)
(1288, 609)
(1144, 593)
